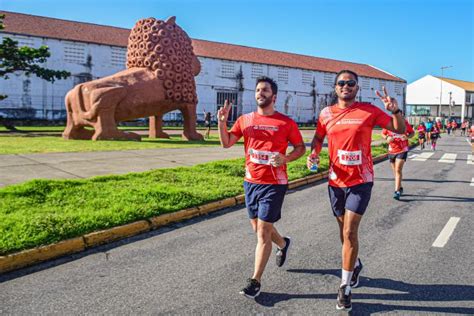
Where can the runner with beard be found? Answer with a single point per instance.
(266, 135)
(348, 126)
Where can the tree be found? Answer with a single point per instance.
(27, 59)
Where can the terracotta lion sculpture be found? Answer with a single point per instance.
(159, 78)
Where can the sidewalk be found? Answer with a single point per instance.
(23, 167)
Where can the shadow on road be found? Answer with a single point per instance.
(434, 198)
(422, 180)
(421, 293)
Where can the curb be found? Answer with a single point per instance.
(32, 256)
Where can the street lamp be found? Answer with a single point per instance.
(441, 88)
(450, 95)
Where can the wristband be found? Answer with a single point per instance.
(396, 111)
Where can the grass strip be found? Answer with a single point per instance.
(51, 144)
(41, 212)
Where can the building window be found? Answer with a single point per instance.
(75, 53)
(228, 69)
(24, 41)
(365, 84)
(118, 56)
(328, 79)
(421, 110)
(282, 75)
(257, 71)
(307, 77)
(398, 89)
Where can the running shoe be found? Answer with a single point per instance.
(252, 290)
(344, 297)
(355, 275)
(396, 195)
(281, 254)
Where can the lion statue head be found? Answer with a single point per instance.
(164, 48)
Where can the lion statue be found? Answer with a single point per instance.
(159, 78)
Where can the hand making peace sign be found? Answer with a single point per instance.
(223, 112)
(390, 104)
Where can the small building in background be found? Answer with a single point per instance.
(424, 95)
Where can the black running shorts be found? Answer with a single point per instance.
(355, 198)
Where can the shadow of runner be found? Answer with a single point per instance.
(422, 180)
(434, 198)
(409, 292)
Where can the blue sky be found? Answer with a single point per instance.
(409, 38)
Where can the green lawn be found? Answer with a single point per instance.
(50, 144)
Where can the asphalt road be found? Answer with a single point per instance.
(198, 267)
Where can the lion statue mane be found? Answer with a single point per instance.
(159, 78)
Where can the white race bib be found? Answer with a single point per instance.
(261, 157)
(349, 158)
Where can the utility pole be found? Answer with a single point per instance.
(450, 95)
(441, 88)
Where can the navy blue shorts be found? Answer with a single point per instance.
(264, 201)
(355, 198)
(402, 156)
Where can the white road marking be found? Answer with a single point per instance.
(423, 157)
(413, 156)
(472, 182)
(447, 231)
(470, 159)
(448, 158)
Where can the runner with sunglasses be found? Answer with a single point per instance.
(348, 126)
(266, 135)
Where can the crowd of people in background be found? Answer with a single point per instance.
(430, 130)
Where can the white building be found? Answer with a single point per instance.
(91, 51)
(457, 97)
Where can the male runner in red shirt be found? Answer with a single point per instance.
(348, 126)
(397, 154)
(266, 135)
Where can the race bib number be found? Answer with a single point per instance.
(261, 157)
(350, 158)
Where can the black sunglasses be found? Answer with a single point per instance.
(351, 83)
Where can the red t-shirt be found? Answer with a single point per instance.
(398, 144)
(263, 137)
(421, 130)
(349, 134)
(439, 124)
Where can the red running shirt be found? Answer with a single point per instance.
(398, 144)
(349, 134)
(421, 130)
(265, 136)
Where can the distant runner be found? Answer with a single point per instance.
(397, 154)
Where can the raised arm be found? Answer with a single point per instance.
(397, 125)
(227, 139)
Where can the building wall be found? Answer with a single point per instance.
(91, 61)
(424, 93)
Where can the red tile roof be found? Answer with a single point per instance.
(25, 24)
